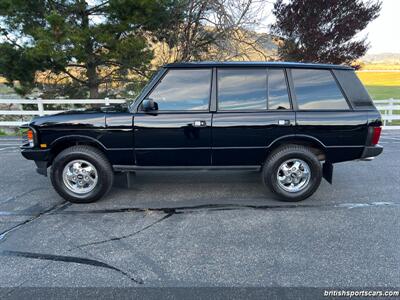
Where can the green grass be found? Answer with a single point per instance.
(2, 133)
(383, 92)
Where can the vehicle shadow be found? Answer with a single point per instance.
(152, 189)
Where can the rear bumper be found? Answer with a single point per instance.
(370, 152)
(41, 158)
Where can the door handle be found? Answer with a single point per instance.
(284, 122)
(199, 123)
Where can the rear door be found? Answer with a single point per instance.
(253, 109)
(179, 132)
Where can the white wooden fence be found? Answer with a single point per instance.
(390, 108)
(41, 111)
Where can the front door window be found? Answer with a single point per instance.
(183, 90)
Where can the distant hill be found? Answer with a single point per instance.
(381, 58)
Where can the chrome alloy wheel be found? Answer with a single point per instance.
(80, 176)
(293, 175)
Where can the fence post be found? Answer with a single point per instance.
(107, 101)
(40, 107)
(391, 103)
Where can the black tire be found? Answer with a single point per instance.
(97, 159)
(277, 158)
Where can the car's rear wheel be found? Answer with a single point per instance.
(292, 172)
(81, 174)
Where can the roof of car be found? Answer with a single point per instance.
(202, 64)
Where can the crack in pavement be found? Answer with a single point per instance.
(221, 207)
(51, 257)
(213, 207)
(210, 207)
(149, 263)
(60, 209)
(127, 235)
(85, 252)
(56, 207)
(68, 259)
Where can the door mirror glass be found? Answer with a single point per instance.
(149, 105)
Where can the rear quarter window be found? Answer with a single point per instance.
(317, 90)
(354, 89)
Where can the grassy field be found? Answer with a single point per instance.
(381, 85)
(383, 92)
(380, 78)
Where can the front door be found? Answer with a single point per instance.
(177, 131)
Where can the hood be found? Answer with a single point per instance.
(118, 107)
(71, 119)
(79, 118)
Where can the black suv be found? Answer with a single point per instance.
(292, 121)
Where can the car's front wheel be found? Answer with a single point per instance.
(81, 174)
(292, 172)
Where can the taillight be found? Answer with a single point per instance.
(376, 135)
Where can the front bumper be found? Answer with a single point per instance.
(41, 158)
(370, 152)
(36, 154)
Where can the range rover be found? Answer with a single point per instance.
(290, 121)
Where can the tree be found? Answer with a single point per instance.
(89, 43)
(322, 31)
(211, 30)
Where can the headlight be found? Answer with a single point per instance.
(28, 137)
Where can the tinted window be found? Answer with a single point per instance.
(278, 97)
(353, 88)
(183, 89)
(317, 89)
(242, 89)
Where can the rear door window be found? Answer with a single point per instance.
(317, 89)
(242, 89)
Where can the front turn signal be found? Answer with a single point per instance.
(30, 137)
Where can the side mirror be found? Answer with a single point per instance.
(149, 105)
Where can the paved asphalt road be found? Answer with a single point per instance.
(203, 229)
